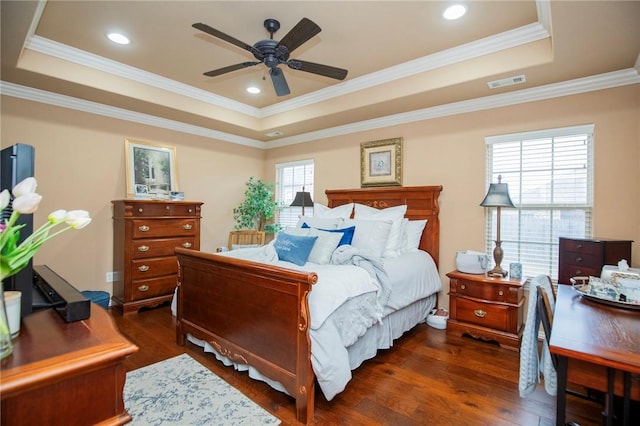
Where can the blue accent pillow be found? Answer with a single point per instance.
(294, 248)
(347, 233)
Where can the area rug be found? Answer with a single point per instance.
(180, 392)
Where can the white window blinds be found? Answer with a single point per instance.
(291, 178)
(550, 178)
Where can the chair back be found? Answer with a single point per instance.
(545, 314)
(246, 237)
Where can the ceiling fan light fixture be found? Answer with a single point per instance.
(254, 90)
(118, 38)
(455, 11)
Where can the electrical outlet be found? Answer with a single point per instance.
(111, 276)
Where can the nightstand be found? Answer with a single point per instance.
(486, 308)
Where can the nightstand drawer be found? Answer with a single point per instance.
(486, 291)
(484, 314)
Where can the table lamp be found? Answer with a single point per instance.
(497, 196)
(302, 199)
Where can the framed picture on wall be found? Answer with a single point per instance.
(150, 165)
(381, 163)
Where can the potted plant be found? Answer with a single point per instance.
(258, 208)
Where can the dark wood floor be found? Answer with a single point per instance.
(427, 378)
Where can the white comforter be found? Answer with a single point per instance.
(343, 304)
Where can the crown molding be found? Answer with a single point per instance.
(492, 44)
(50, 98)
(572, 87)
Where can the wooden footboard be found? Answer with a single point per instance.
(252, 313)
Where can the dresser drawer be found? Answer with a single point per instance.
(163, 209)
(583, 247)
(587, 260)
(154, 228)
(144, 289)
(496, 317)
(143, 249)
(154, 267)
(487, 291)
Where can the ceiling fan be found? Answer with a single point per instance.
(273, 53)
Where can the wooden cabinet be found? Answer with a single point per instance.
(65, 373)
(586, 257)
(486, 308)
(145, 235)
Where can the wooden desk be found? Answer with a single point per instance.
(587, 331)
(65, 373)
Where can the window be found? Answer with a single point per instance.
(291, 178)
(550, 178)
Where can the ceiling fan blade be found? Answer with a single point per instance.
(230, 68)
(222, 36)
(303, 31)
(279, 82)
(325, 70)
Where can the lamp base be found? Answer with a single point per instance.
(497, 272)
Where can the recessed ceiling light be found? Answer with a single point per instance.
(274, 134)
(454, 12)
(253, 90)
(118, 38)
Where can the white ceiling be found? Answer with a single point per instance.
(405, 61)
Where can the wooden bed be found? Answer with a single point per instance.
(258, 314)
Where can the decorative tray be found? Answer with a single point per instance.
(609, 292)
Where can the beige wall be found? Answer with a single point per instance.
(451, 152)
(80, 164)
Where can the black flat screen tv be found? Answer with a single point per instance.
(17, 162)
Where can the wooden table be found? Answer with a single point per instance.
(65, 373)
(595, 333)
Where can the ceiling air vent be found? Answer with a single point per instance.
(506, 82)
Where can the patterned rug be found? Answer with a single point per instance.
(181, 391)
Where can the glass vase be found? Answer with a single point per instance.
(6, 347)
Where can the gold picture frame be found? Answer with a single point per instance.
(151, 165)
(381, 163)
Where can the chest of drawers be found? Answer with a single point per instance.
(486, 308)
(586, 257)
(145, 235)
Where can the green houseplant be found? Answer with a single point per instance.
(258, 208)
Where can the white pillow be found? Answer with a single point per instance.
(370, 236)
(316, 222)
(324, 246)
(395, 214)
(412, 234)
(341, 212)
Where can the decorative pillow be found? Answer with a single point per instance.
(324, 246)
(320, 223)
(341, 212)
(294, 248)
(370, 236)
(347, 233)
(395, 214)
(412, 235)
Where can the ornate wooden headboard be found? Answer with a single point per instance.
(421, 201)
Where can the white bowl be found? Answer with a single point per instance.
(437, 321)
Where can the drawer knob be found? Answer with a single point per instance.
(143, 268)
(186, 245)
(143, 228)
(501, 293)
(190, 210)
(187, 226)
(578, 272)
(578, 259)
(462, 287)
(143, 248)
(167, 207)
(480, 313)
(143, 288)
(140, 210)
(579, 246)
